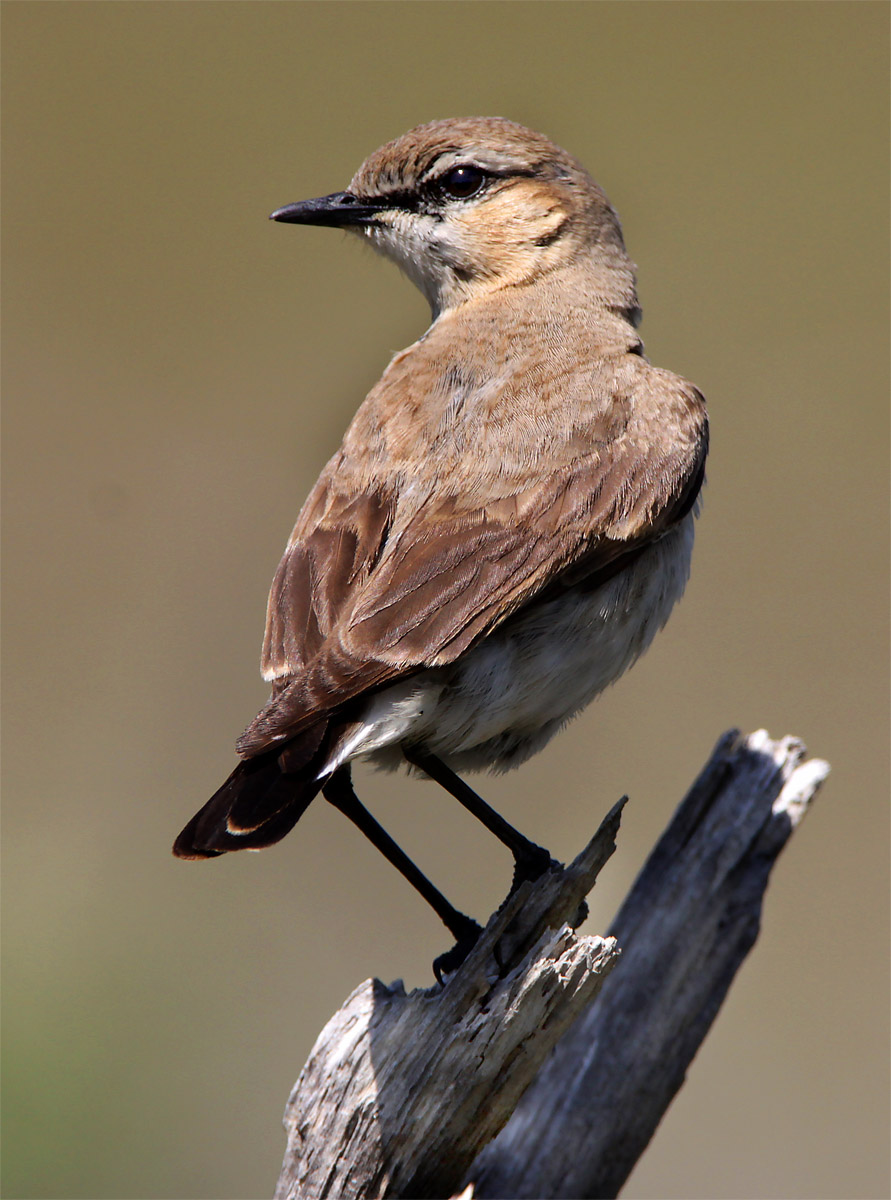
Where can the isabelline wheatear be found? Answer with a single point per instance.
(509, 519)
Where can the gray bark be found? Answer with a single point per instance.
(522, 1078)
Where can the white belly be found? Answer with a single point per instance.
(508, 696)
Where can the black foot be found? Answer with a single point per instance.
(448, 963)
(531, 865)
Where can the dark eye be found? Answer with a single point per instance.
(462, 182)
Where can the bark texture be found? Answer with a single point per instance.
(524, 1077)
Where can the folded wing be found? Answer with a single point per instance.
(365, 595)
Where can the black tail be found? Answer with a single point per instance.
(261, 801)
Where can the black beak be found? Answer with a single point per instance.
(340, 208)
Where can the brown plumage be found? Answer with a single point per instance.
(509, 518)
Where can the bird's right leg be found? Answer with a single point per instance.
(339, 792)
(530, 860)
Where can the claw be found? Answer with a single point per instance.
(446, 964)
(532, 865)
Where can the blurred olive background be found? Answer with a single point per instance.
(177, 369)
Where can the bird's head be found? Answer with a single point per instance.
(467, 206)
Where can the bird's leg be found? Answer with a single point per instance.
(530, 860)
(338, 791)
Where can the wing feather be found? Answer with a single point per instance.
(364, 595)
(317, 574)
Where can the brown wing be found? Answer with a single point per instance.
(319, 571)
(359, 600)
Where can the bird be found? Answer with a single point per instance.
(508, 521)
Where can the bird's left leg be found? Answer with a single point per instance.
(338, 791)
(530, 860)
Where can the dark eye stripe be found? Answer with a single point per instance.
(431, 192)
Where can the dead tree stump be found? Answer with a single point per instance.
(532, 1074)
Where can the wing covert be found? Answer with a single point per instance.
(364, 596)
